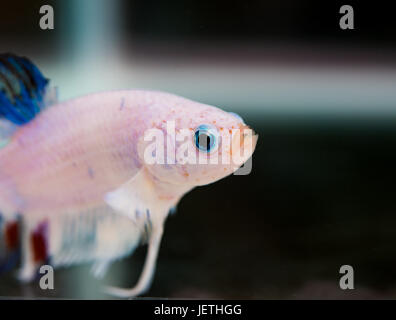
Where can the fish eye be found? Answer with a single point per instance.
(206, 138)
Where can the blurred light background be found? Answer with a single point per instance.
(322, 191)
(258, 56)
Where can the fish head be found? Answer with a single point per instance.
(196, 144)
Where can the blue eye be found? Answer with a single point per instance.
(205, 138)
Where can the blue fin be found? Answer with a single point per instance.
(22, 89)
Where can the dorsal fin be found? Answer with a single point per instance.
(22, 89)
(24, 92)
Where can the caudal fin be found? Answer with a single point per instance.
(24, 92)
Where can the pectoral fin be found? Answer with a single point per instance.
(133, 198)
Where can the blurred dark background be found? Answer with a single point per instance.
(322, 190)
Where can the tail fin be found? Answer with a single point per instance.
(24, 93)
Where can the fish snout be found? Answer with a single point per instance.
(243, 145)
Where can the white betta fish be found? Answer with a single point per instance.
(88, 180)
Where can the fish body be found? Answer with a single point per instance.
(78, 177)
(85, 147)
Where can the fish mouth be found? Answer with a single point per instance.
(248, 133)
(243, 144)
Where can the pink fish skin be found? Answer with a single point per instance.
(74, 154)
